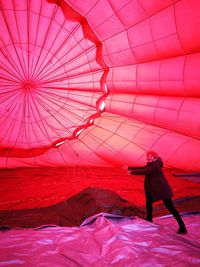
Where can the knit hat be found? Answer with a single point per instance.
(152, 153)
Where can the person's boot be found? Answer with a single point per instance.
(149, 219)
(182, 229)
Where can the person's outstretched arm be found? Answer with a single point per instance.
(130, 168)
(143, 170)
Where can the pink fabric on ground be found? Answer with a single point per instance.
(107, 241)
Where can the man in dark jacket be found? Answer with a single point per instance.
(157, 188)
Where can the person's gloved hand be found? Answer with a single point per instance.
(125, 167)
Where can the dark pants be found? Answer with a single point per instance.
(169, 205)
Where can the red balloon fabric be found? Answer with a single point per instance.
(99, 82)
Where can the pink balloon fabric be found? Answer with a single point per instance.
(101, 80)
(107, 241)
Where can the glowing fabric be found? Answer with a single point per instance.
(63, 63)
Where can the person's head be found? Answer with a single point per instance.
(151, 156)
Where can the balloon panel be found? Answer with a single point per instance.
(57, 58)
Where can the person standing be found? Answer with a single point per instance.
(157, 188)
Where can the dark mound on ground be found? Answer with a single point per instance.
(73, 211)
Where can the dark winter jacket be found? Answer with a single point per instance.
(155, 184)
